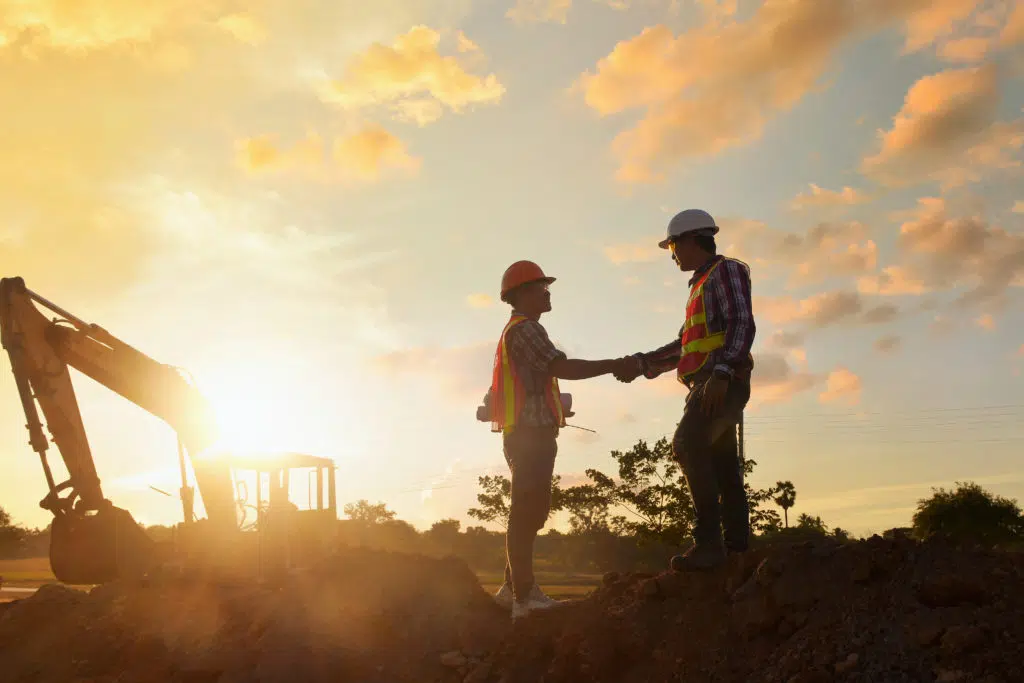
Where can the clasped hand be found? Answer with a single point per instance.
(627, 369)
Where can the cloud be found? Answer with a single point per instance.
(986, 322)
(244, 28)
(462, 373)
(531, 11)
(1018, 206)
(946, 132)
(412, 78)
(716, 86)
(971, 49)
(774, 381)
(480, 300)
(965, 252)
(821, 197)
(892, 281)
(1013, 31)
(364, 155)
(785, 340)
(822, 310)
(842, 386)
(888, 343)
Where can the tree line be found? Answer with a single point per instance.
(632, 519)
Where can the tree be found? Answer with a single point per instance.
(785, 497)
(762, 519)
(815, 524)
(496, 499)
(968, 514)
(12, 536)
(365, 513)
(588, 508)
(651, 490)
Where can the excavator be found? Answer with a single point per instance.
(91, 540)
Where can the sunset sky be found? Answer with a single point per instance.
(309, 205)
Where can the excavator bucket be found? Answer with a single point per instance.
(100, 546)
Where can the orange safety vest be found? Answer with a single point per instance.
(507, 392)
(697, 344)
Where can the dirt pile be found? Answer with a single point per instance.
(366, 616)
(877, 610)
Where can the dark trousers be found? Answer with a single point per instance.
(707, 450)
(530, 453)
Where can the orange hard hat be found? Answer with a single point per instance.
(521, 272)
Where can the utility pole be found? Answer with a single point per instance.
(742, 444)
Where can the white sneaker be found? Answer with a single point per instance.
(534, 601)
(504, 596)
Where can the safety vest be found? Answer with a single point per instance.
(507, 392)
(697, 344)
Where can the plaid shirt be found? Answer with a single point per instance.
(728, 308)
(531, 352)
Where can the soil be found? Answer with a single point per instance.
(874, 610)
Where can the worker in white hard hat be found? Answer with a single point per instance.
(711, 357)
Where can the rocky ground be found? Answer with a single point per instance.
(875, 610)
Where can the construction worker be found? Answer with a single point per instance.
(524, 404)
(711, 356)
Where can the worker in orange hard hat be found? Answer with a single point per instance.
(524, 404)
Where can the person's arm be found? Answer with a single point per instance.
(530, 345)
(577, 368)
(737, 309)
(661, 360)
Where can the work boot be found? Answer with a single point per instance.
(504, 596)
(535, 599)
(699, 558)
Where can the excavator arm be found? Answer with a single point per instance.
(91, 540)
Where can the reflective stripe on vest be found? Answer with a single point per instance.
(507, 393)
(697, 344)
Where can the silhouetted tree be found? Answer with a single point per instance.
(785, 497)
(763, 519)
(362, 511)
(588, 508)
(816, 524)
(968, 514)
(496, 499)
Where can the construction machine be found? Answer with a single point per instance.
(91, 540)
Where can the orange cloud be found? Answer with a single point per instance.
(244, 28)
(819, 310)
(842, 386)
(716, 85)
(986, 322)
(946, 131)
(1018, 206)
(365, 155)
(461, 373)
(972, 49)
(819, 196)
(892, 281)
(412, 78)
(480, 300)
(774, 381)
(1013, 31)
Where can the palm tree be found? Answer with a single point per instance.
(785, 496)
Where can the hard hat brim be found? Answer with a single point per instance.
(711, 230)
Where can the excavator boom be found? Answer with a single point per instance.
(91, 540)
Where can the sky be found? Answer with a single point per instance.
(309, 205)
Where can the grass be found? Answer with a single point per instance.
(35, 571)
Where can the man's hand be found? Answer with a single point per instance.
(628, 369)
(712, 397)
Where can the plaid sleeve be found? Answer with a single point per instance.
(529, 345)
(662, 359)
(733, 283)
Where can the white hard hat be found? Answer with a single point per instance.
(687, 222)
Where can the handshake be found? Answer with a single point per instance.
(628, 368)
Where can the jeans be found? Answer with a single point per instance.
(530, 453)
(707, 450)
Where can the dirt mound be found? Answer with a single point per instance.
(366, 616)
(877, 610)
